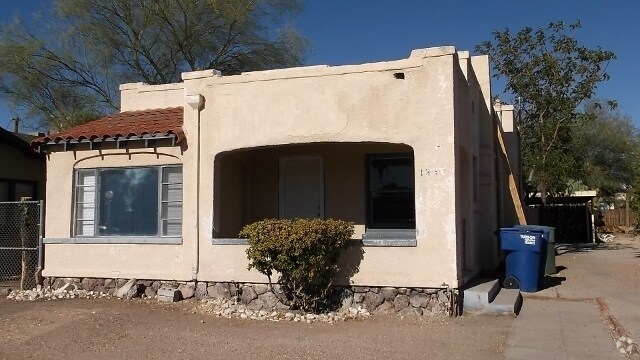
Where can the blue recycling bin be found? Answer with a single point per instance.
(550, 236)
(526, 255)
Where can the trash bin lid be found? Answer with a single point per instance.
(522, 240)
(546, 230)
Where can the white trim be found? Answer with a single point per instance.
(390, 237)
(229, 241)
(390, 242)
(116, 240)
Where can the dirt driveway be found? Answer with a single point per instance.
(116, 329)
(608, 271)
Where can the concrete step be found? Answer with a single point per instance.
(479, 294)
(487, 296)
(508, 301)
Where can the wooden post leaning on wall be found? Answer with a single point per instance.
(513, 188)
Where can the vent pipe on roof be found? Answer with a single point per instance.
(16, 122)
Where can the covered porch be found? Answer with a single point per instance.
(368, 183)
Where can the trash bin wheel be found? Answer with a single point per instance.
(511, 283)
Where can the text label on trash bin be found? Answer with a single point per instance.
(528, 239)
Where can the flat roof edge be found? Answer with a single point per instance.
(141, 86)
(414, 60)
(433, 52)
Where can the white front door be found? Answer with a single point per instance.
(301, 187)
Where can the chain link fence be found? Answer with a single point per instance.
(20, 243)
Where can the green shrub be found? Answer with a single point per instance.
(304, 252)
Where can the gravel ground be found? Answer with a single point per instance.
(110, 328)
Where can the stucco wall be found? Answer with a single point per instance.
(475, 131)
(140, 96)
(114, 260)
(489, 253)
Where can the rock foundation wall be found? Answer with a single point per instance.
(382, 300)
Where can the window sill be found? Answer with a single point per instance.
(116, 240)
(229, 241)
(390, 238)
(373, 237)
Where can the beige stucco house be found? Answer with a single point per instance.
(405, 149)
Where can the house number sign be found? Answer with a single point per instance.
(431, 171)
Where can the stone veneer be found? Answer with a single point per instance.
(381, 300)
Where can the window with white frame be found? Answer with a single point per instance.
(136, 201)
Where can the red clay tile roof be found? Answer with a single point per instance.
(126, 124)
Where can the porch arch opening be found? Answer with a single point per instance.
(368, 183)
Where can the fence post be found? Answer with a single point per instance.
(626, 209)
(24, 226)
(38, 274)
(27, 280)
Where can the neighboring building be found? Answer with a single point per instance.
(22, 170)
(405, 149)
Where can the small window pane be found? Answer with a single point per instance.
(86, 194)
(85, 228)
(171, 227)
(85, 211)
(172, 210)
(87, 178)
(391, 174)
(172, 192)
(172, 175)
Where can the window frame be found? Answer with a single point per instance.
(159, 229)
(369, 216)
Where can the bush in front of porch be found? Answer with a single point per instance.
(304, 252)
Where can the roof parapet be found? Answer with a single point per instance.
(132, 86)
(191, 75)
(463, 54)
(433, 52)
(142, 86)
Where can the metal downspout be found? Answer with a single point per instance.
(195, 102)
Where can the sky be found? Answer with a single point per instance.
(361, 31)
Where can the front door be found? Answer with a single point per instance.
(301, 187)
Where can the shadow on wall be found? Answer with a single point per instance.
(349, 263)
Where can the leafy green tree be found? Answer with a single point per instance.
(550, 76)
(71, 73)
(609, 148)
